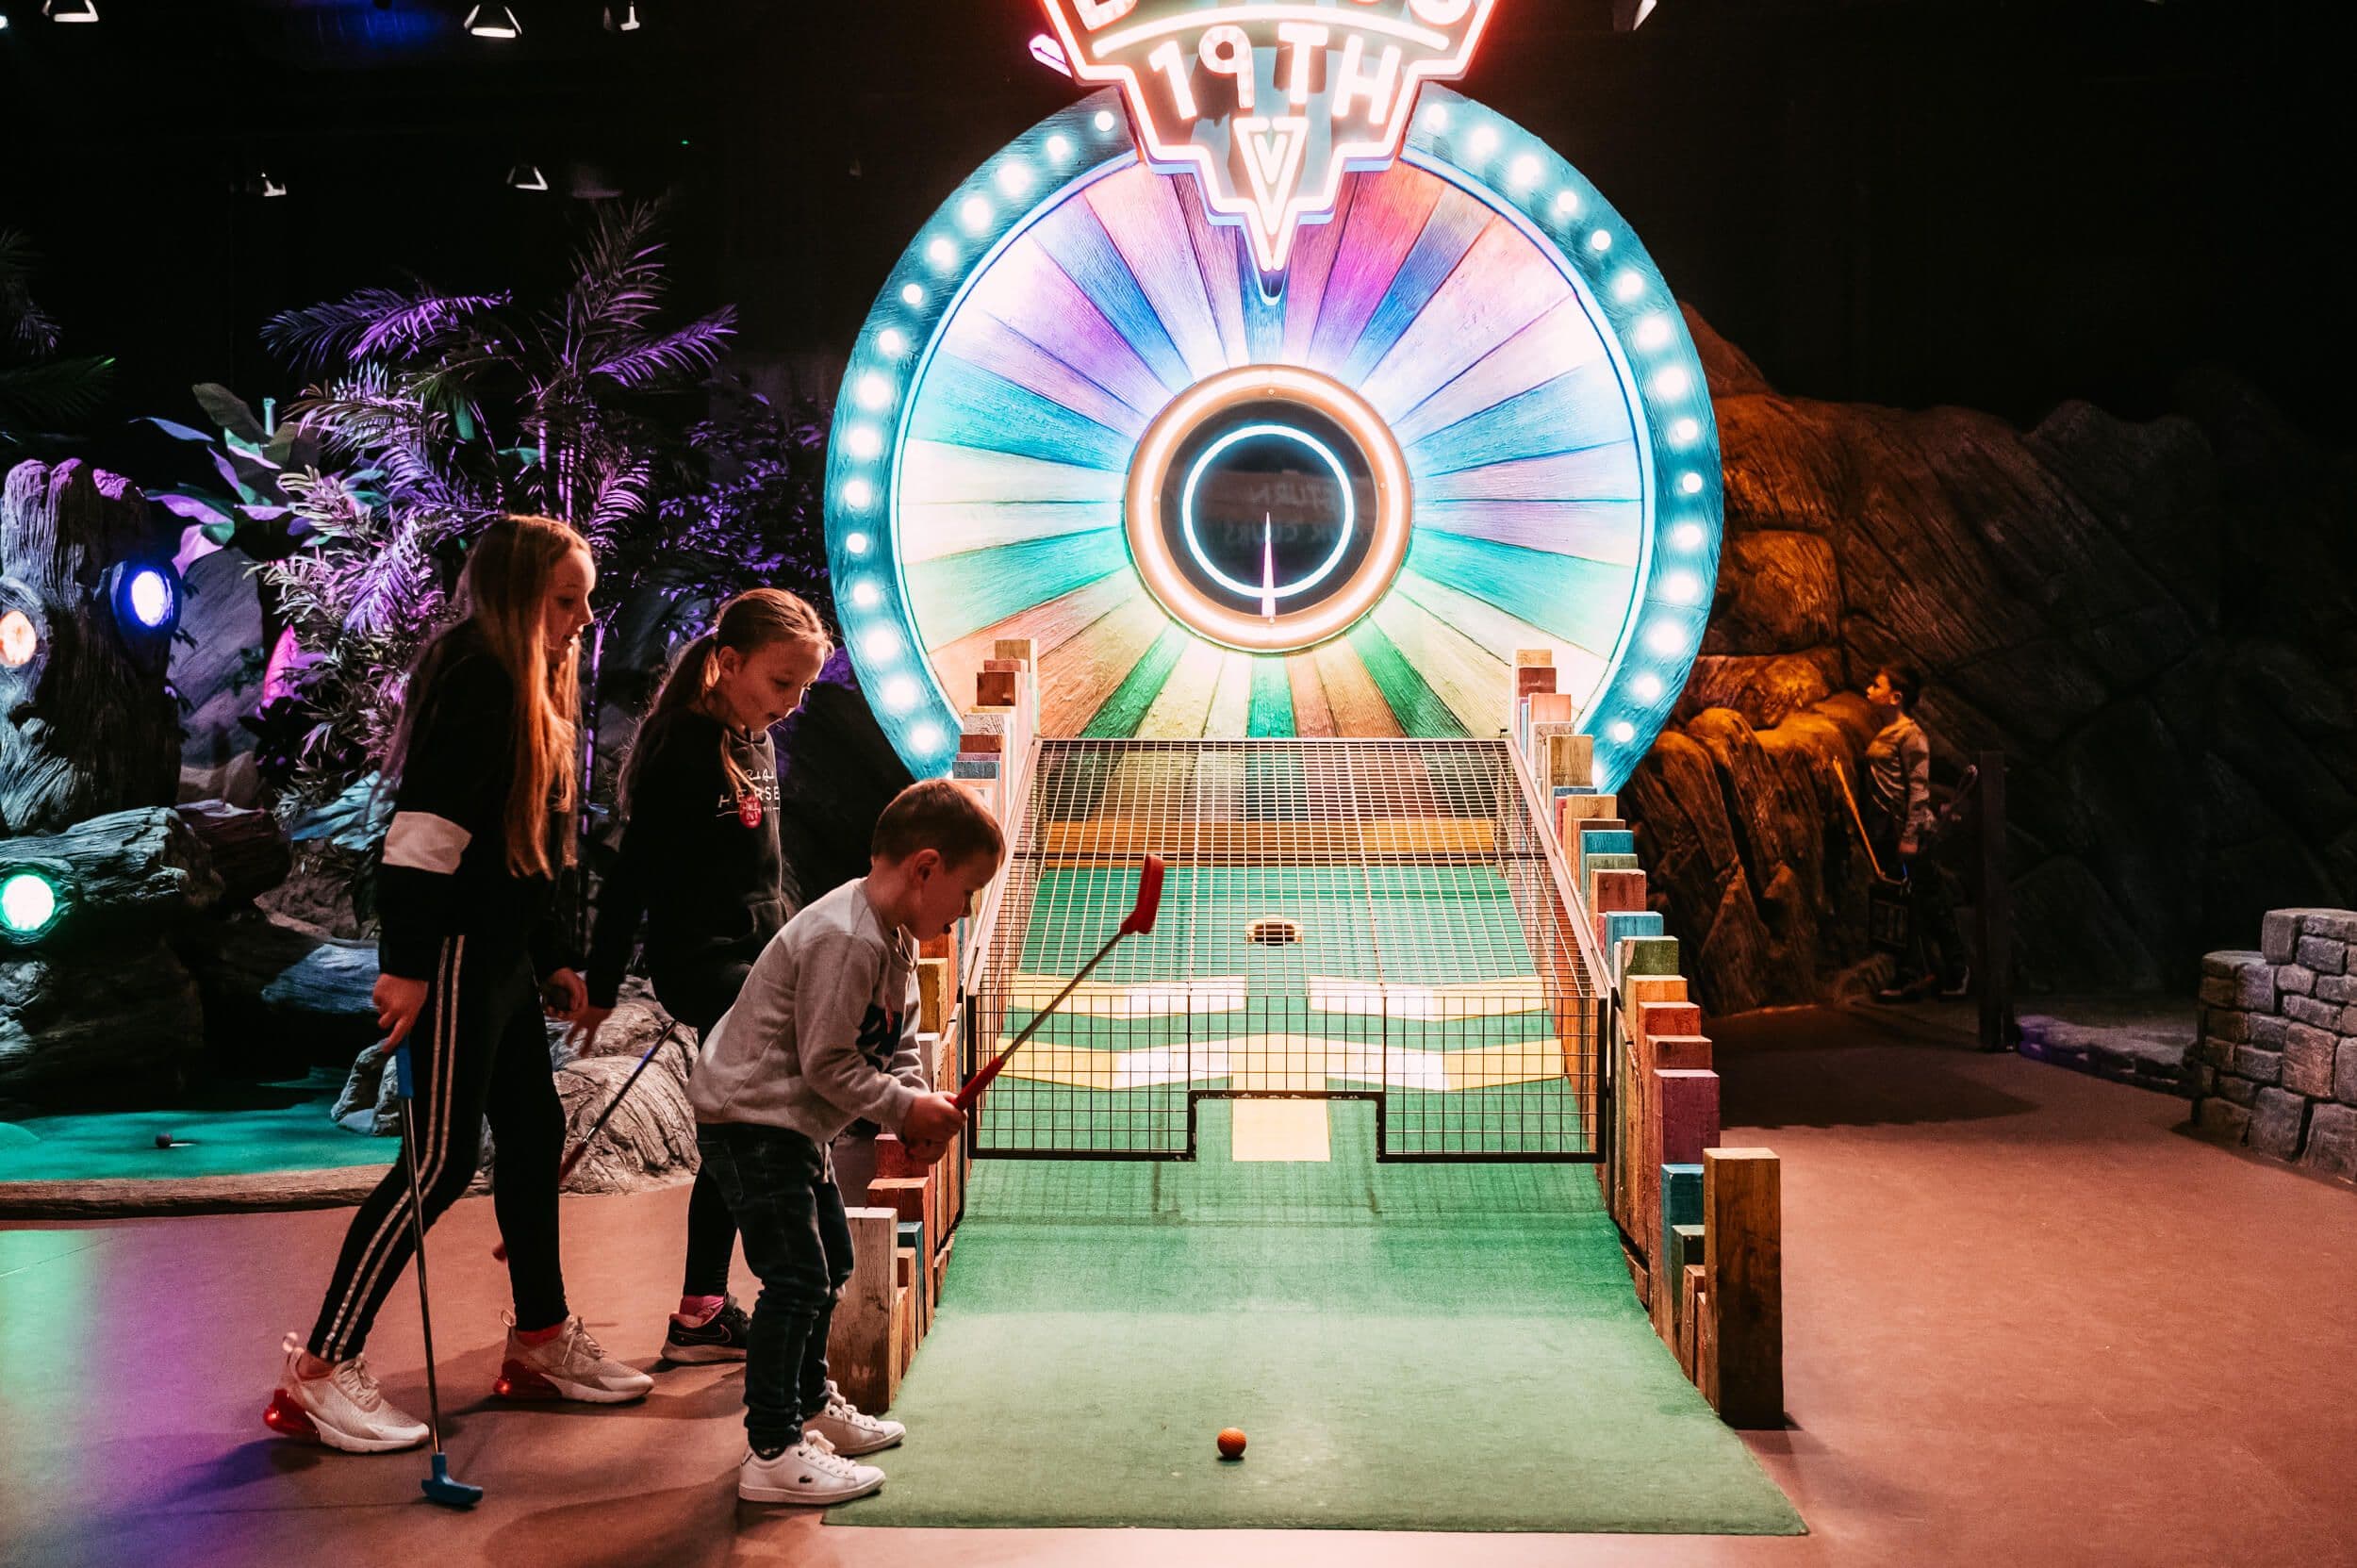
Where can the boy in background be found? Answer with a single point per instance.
(823, 1035)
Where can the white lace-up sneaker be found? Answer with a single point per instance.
(342, 1408)
(571, 1365)
(850, 1431)
(811, 1472)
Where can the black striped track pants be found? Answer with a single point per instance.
(479, 1050)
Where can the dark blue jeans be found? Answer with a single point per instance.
(799, 1245)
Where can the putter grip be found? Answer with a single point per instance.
(402, 1083)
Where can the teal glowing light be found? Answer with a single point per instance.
(28, 904)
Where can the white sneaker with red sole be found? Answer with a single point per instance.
(342, 1408)
(568, 1365)
(810, 1473)
(849, 1431)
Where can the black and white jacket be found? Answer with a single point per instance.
(445, 870)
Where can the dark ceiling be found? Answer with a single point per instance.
(1910, 201)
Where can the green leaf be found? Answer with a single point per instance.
(229, 411)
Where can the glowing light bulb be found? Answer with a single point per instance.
(1622, 732)
(880, 645)
(858, 494)
(865, 594)
(1665, 636)
(899, 694)
(1524, 172)
(942, 253)
(856, 544)
(1104, 122)
(928, 738)
(1681, 587)
(873, 392)
(974, 213)
(1646, 688)
(1654, 332)
(1567, 203)
(1014, 179)
(1485, 142)
(863, 442)
(1686, 432)
(1672, 382)
(1630, 287)
(1600, 241)
(1687, 536)
(892, 341)
(1060, 147)
(1436, 117)
(27, 902)
(1690, 484)
(912, 295)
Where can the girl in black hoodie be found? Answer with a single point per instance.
(701, 867)
(483, 791)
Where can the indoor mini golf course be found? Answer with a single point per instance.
(1434, 1346)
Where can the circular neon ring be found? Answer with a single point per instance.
(1326, 567)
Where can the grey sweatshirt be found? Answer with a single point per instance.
(824, 1031)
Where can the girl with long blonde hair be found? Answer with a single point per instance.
(701, 870)
(485, 781)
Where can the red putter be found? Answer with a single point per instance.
(1141, 920)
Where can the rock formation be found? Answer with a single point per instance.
(2156, 623)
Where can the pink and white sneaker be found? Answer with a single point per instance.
(342, 1408)
(570, 1365)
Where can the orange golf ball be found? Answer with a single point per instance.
(1232, 1443)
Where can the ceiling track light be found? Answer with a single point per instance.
(628, 21)
(71, 11)
(499, 23)
(527, 177)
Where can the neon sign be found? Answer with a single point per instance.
(1270, 104)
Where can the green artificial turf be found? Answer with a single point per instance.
(225, 1129)
(1449, 1346)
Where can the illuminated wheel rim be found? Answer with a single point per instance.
(1348, 576)
(1519, 354)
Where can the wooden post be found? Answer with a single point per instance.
(1999, 1030)
(861, 1338)
(1744, 1262)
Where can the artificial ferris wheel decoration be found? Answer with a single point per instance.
(1459, 417)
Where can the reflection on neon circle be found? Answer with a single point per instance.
(1341, 481)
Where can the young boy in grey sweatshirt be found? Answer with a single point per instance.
(823, 1035)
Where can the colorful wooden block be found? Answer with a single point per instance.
(1686, 1315)
(1026, 650)
(1743, 1257)
(1570, 762)
(936, 995)
(1681, 1190)
(1616, 890)
(1534, 656)
(1615, 926)
(1646, 956)
(1686, 1113)
(860, 1336)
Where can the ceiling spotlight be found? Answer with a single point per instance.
(271, 186)
(527, 177)
(71, 11)
(4, 22)
(627, 22)
(1629, 15)
(502, 23)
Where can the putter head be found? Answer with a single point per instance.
(1141, 919)
(439, 1487)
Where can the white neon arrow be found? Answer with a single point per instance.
(1268, 566)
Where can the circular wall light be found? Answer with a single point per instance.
(20, 640)
(31, 902)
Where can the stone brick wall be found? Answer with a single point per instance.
(2276, 1068)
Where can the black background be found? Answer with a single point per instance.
(1901, 201)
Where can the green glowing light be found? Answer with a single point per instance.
(28, 903)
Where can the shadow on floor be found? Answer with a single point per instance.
(1827, 1066)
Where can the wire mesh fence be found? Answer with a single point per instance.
(1342, 918)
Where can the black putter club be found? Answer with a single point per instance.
(438, 1487)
